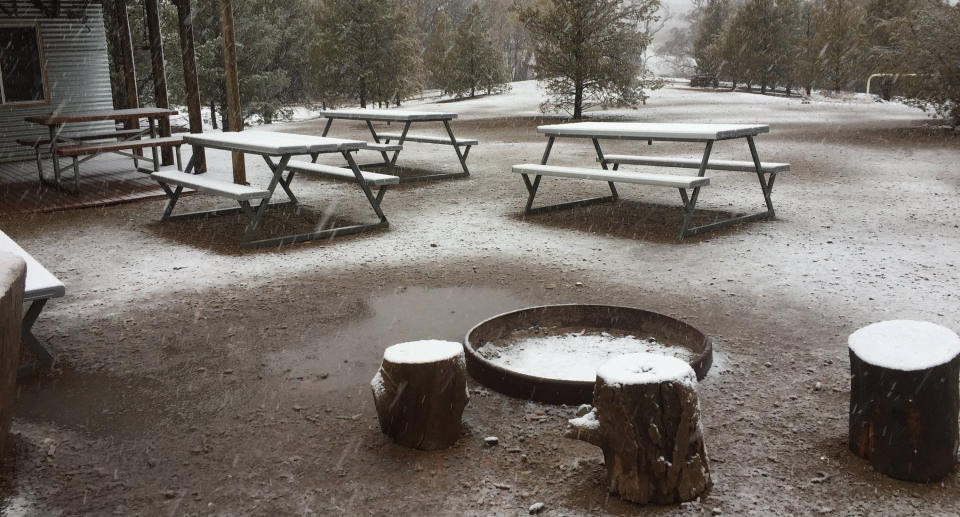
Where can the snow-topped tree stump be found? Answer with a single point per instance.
(420, 392)
(904, 398)
(646, 418)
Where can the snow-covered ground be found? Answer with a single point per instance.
(199, 378)
(670, 103)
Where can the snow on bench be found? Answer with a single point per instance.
(642, 178)
(694, 163)
(64, 139)
(40, 283)
(373, 146)
(342, 173)
(428, 139)
(109, 147)
(210, 185)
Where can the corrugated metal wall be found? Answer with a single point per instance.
(77, 70)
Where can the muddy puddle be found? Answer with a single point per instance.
(348, 355)
(95, 403)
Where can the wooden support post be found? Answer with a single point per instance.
(646, 419)
(13, 273)
(234, 115)
(159, 73)
(905, 399)
(125, 42)
(420, 392)
(190, 81)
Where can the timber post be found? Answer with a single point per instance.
(232, 84)
(190, 82)
(159, 73)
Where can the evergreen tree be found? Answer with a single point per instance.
(474, 63)
(364, 51)
(270, 50)
(806, 72)
(883, 52)
(836, 23)
(437, 52)
(588, 52)
(707, 51)
(928, 40)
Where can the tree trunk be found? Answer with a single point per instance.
(213, 113)
(152, 9)
(648, 425)
(190, 82)
(420, 392)
(13, 272)
(232, 86)
(578, 103)
(904, 421)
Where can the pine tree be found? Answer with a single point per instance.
(706, 48)
(589, 52)
(364, 51)
(929, 41)
(474, 62)
(806, 71)
(436, 54)
(883, 52)
(836, 23)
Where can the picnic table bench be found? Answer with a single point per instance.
(271, 145)
(382, 141)
(702, 133)
(41, 285)
(90, 145)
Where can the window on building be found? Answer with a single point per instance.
(21, 65)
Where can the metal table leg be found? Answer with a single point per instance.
(45, 358)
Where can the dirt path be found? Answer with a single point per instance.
(197, 379)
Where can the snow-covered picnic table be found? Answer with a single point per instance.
(39, 287)
(381, 140)
(271, 145)
(700, 133)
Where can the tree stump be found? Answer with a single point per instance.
(646, 418)
(904, 398)
(420, 392)
(13, 273)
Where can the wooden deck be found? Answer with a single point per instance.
(104, 180)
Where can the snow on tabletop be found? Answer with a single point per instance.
(643, 368)
(571, 356)
(426, 351)
(905, 345)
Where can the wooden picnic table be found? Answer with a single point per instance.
(92, 145)
(281, 146)
(707, 134)
(39, 287)
(381, 140)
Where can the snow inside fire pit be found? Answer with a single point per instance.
(569, 353)
(551, 353)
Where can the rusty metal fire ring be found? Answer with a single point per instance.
(605, 317)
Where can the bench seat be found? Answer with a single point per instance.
(642, 178)
(428, 139)
(109, 147)
(342, 173)
(40, 283)
(210, 185)
(373, 146)
(694, 163)
(38, 141)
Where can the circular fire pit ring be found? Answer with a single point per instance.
(599, 318)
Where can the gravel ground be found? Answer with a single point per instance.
(198, 379)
